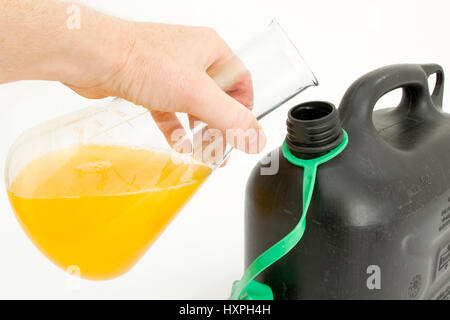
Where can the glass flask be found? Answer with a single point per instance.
(94, 189)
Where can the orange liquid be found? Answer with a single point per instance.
(99, 208)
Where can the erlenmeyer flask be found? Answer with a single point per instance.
(95, 188)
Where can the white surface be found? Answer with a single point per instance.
(201, 253)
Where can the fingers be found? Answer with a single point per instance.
(212, 105)
(242, 90)
(173, 131)
(209, 144)
(233, 77)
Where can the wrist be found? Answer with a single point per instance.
(62, 41)
(96, 51)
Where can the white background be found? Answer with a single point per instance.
(201, 252)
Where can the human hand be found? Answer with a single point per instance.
(168, 69)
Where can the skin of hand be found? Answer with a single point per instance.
(166, 68)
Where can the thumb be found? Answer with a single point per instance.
(212, 105)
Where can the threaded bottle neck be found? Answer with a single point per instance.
(314, 129)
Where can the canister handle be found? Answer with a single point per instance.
(438, 93)
(359, 101)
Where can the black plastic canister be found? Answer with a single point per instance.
(378, 226)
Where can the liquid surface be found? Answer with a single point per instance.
(97, 209)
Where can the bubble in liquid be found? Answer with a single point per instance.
(95, 166)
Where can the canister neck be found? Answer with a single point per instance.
(314, 129)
